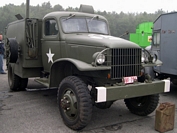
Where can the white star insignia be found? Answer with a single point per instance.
(50, 56)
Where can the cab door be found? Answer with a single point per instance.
(50, 43)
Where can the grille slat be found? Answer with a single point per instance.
(125, 62)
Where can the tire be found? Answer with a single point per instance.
(23, 83)
(75, 103)
(13, 79)
(104, 105)
(174, 81)
(13, 50)
(142, 105)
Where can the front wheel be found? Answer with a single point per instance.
(75, 102)
(142, 105)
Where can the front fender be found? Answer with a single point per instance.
(64, 67)
(82, 66)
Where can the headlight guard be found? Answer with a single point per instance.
(148, 57)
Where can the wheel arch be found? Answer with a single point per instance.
(60, 69)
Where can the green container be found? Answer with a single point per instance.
(143, 34)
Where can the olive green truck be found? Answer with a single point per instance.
(74, 52)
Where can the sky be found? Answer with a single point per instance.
(126, 6)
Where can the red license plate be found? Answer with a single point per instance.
(129, 80)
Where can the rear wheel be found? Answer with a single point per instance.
(174, 81)
(13, 79)
(75, 102)
(23, 83)
(104, 105)
(16, 83)
(142, 105)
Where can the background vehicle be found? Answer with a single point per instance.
(164, 45)
(143, 35)
(74, 52)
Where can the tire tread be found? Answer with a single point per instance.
(85, 102)
(152, 105)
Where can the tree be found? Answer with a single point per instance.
(119, 23)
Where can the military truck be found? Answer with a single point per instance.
(75, 52)
(164, 46)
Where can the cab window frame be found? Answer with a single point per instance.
(51, 27)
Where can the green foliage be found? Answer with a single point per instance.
(119, 22)
(127, 22)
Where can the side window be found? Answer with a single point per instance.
(51, 27)
(156, 38)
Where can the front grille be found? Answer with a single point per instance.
(125, 62)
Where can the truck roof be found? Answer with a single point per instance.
(59, 14)
(163, 15)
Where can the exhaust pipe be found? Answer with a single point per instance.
(27, 8)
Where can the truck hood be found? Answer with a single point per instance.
(99, 41)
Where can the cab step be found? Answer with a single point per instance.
(43, 81)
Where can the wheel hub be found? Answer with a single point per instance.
(65, 103)
(69, 104)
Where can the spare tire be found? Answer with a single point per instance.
(13, 50)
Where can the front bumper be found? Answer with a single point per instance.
(112, 93)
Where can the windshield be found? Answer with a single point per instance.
(84, 25)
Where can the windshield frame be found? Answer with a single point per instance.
(87, 20)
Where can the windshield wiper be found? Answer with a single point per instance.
(70, 16)
(96, 16)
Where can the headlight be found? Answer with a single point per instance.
(100, 59)
(154, 58)
(148, 57)
(144, 57)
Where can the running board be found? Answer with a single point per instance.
(43, 81)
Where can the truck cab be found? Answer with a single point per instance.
(70, 32)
